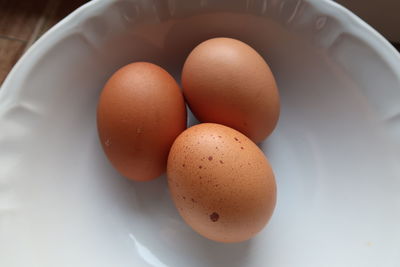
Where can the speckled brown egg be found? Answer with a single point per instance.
(140, 113)
(221, 182)
(226, 81)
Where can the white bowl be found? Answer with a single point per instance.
(336, 150)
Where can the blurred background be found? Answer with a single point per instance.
(22, 22)
(383, 15)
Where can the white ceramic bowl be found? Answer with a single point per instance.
(336, 151)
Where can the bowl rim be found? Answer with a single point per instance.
(360, 28)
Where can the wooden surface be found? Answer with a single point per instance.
(22, 22)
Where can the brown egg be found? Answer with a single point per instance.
(140, 113)
(221, 182)
(226, 81)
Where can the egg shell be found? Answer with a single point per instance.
(221, 182)
(226, 81)
(140, 113)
